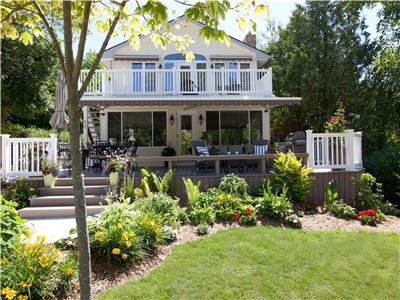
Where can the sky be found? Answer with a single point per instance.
(280, 12)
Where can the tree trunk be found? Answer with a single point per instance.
(79, 194)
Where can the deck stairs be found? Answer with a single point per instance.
(58, 201)
(94, 124)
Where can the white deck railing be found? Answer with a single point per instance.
(123, 82)
(334, 150)
(23, 156)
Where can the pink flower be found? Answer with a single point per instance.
(331, 119)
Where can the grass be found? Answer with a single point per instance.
(273, 263)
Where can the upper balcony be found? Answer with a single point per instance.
(177, 82)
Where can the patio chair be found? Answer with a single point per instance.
(200, 149)
(259, 147)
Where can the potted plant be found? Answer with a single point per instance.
(114, 167)
(168, 151)
(49, 171)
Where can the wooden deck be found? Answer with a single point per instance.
(344, 179)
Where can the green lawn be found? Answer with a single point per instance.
(271, 263)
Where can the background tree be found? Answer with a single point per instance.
(89, 60)
(321, 55)
(28, 81)
(149, 18)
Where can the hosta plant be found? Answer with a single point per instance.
(235, 185)
(202, 229)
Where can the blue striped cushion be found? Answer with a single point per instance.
(260, 149)
(202, 151)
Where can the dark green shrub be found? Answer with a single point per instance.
(385, 166)
(290, 173)
(19, 192)
(368, 193)
(12, 226)
(235, 185)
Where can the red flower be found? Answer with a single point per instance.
(331, 119)
(316, 203)
(302, 206)
(236, 216)
(247, 212)
(359, 218)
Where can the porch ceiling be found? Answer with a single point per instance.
(191, 101)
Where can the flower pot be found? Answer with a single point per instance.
(114, 178)
(49, 180)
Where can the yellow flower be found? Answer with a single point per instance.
(128, 243)
(124, 256)
(9, 293)
(152, 224)
(97, 235)
(40, 238)
(24, 284)
(125, 235)
(69, 271)
(116, 251)
(22, 297)
(44, 261)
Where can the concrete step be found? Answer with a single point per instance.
(68, 190)
(65, 200)
(88, 181)
(56, 211)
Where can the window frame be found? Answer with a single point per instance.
(248, 118)
(152, 124)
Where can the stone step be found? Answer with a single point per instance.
(68, 190)
(88, 181)
(65, 200)
(56, 211)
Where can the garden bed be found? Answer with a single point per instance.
(106, 275)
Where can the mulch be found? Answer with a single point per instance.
(106, 275)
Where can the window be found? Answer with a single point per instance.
(114, 127)
(147, 76)
(149, 128)
(232, 127)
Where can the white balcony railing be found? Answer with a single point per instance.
(23, 156)
(334, 150)
(122, 82)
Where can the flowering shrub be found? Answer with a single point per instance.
(49, 167)
(123, 234)
(370, 217)
(337, 122)
(35, 271)
(247, 216)
(226, 205)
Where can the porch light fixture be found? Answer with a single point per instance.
(201, 119)
(171, 120)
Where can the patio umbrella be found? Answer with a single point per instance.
(60, 119)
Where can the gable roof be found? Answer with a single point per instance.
(260, 54)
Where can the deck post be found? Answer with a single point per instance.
(217, 169)
(263, 166)
(4, 154)
(169, 164)
(53, 147)
(310, 148)
(350, 148)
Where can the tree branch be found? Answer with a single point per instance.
(52, 36)
(102, 49)
(82, 41)
(69, 56)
